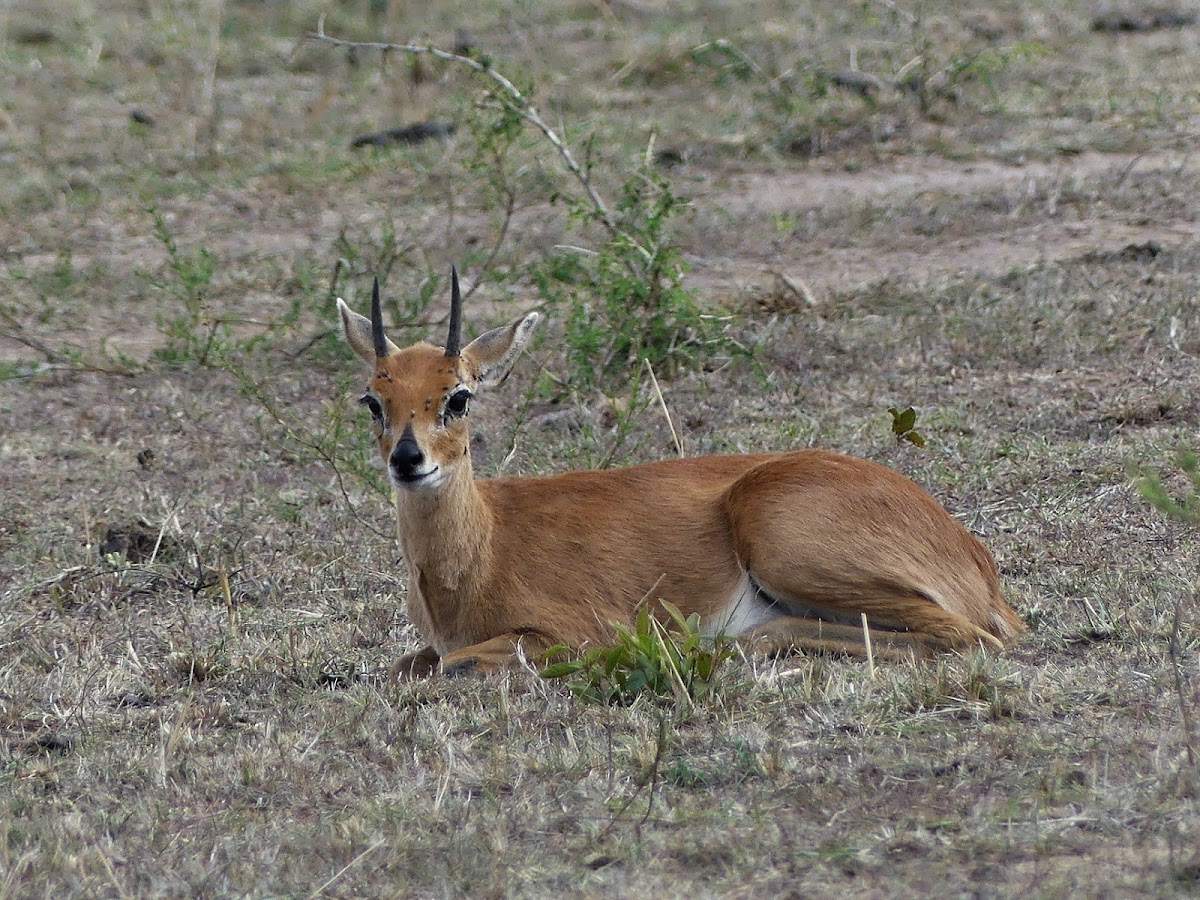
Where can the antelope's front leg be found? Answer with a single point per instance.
(498, 653)
(413, 666)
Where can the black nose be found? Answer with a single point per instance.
(406, 456)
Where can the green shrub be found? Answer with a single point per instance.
(674, 663)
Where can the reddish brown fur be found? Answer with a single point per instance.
(527, 562)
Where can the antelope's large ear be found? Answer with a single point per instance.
(357, 330)
(490, 357)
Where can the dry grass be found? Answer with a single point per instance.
(195, 607)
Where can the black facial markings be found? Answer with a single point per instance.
(372, 403)
(456, 404)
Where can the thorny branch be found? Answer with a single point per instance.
(19, 334)
(15, 330)
(512, 98)
(510, 207)
(316, 446)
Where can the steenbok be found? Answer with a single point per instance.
(781, 550)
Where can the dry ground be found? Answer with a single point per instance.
(197, 584)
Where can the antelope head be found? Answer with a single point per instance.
(419, 397)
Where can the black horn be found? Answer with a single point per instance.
(377, 337)
(454, 341)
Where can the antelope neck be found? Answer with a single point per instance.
(444, 533)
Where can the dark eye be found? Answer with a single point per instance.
(456, 404)
(373, 405)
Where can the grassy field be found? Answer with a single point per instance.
(987, 213)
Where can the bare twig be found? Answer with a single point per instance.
(315, 446)
(625, 420)
(15, 330)
(112, 875)
(796, 285)
(663, 404)
(903, 14)
(659, 752)
(310, 343)
(346, 868)
(512, 98)
(732, 49)
(207, 106)
(510, 206)
(649, 778)
(19, 334)
(1185, 711)
(340, 264)
(337, 472)
(230, 607)
(870, 650)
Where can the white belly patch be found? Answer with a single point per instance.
(746, 610)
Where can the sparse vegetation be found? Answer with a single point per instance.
(626, 301)
(193, 332)
(623, 302)
(199, 591)
(1185, 508)
(673, 662)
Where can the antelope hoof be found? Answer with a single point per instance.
(413, 667)
(468, 666)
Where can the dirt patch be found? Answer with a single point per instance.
(985, 242)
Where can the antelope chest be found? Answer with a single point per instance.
(420, 614)
(746, 609)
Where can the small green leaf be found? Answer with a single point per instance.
(615, 659)
(674, 613)
(556, 651)
(562, 669)
(903, 421)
